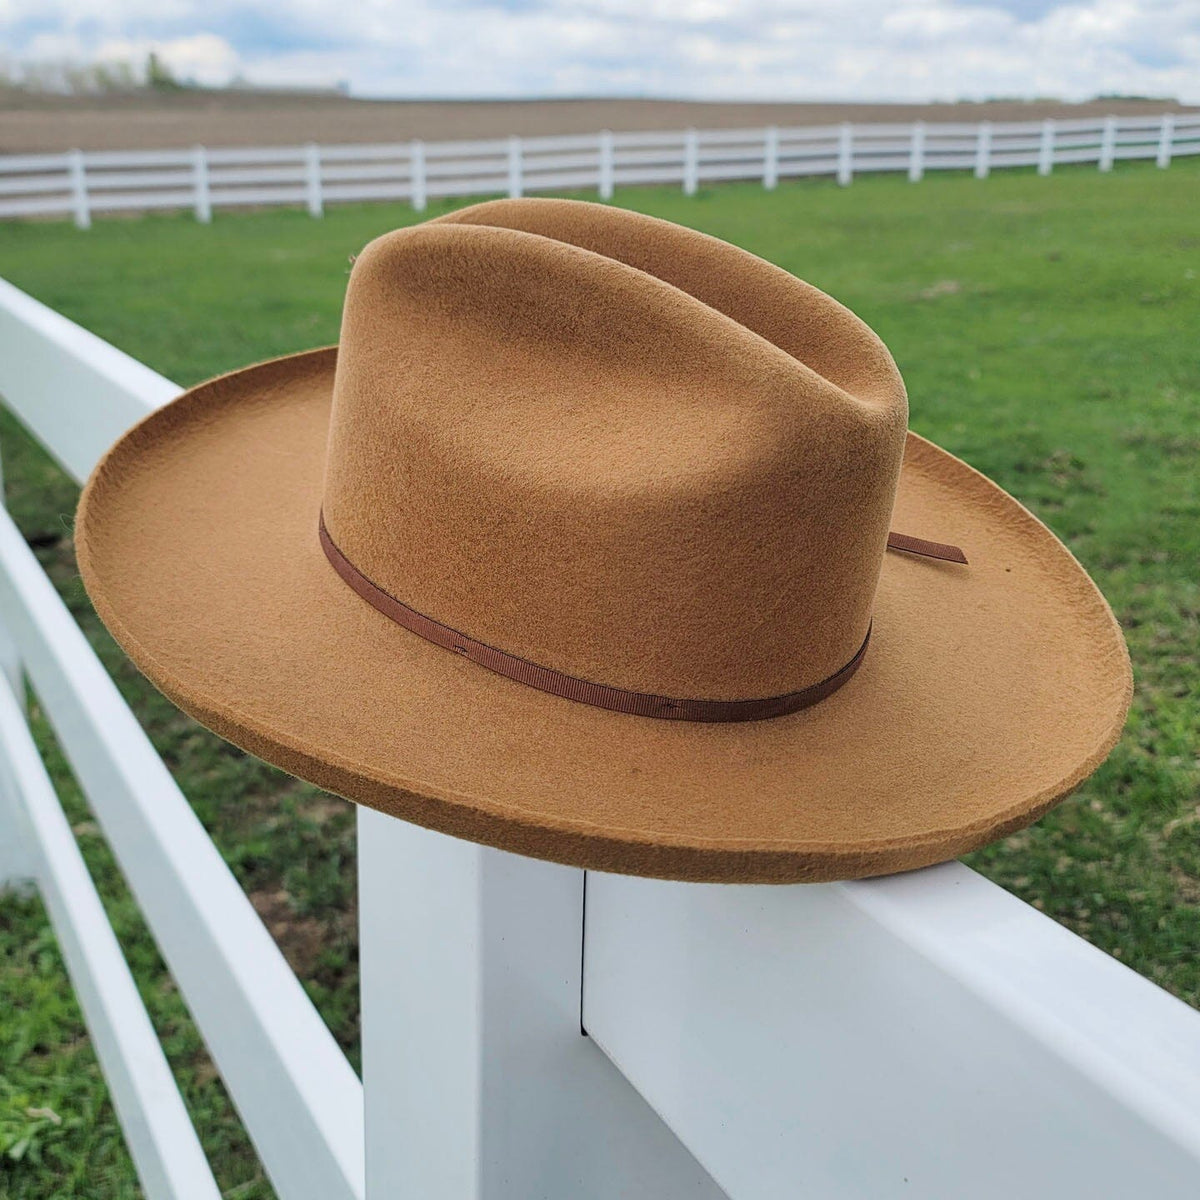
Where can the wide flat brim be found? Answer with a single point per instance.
(988, 693)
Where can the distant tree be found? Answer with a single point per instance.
(159, 76)
(1136, 96)
(115, 77)
(71, 77)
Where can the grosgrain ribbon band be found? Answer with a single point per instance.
(600, 695)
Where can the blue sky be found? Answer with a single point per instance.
(752, 49)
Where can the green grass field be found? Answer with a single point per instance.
(1047, 330)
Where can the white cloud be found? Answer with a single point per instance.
(868, 49)
(204, 57)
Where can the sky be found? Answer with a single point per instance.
(719, 49)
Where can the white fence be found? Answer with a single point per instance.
(925, 1035)
(204, 179)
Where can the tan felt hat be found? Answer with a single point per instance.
(577, 545)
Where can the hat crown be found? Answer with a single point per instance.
(614, 447)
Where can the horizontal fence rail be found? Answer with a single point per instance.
(162, 1142)
(924, 1034)
(80, 184)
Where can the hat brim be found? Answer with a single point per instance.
(988, 693)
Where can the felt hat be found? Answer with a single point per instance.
(600, 540)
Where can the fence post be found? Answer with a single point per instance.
(1166, 136)
(691, 162)
(79, 196)
(514, 167)
(16, 865)
(202, 203)
(770, 157)
(916, 153)
(312, 180)
(478, 1083)
(416, 160)
(1046, 148)
(845, 157)
(1108, 143)
(606, 165)
(16, 856)
(983, 150)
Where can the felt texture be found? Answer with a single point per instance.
(572, 460)
(515, 380)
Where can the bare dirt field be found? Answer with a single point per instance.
(230, 118)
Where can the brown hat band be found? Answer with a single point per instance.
(600, 695)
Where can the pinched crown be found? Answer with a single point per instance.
(615, 448)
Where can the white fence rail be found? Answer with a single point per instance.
(925, 1035)
(294, 1089)
(203, 179)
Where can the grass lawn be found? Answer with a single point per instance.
(1047, 330)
